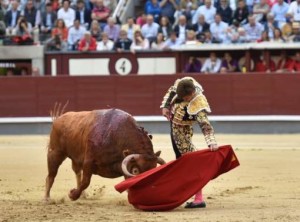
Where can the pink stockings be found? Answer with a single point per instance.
(198, 197)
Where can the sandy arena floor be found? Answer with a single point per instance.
(266, 187)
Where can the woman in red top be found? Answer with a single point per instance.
(60, 29)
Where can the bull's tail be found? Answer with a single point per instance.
(58, 110)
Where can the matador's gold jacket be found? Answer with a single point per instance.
(187, 113)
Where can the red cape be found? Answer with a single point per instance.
(170, 185)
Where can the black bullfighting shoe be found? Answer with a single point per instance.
(195, 205)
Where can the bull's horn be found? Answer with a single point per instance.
(160, 161)
(125, 163)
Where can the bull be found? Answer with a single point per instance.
(106, 142)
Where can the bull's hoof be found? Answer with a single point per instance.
(74, 194)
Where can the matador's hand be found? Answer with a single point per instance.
(166, 113)
(213, 147)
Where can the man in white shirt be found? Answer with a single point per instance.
(218, 29)
(66, 13)
(294, 11)
(76, 32)
(105, 44)
(211, 64)
(207, 10)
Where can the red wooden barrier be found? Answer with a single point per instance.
(230, 94)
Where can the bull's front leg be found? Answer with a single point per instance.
(85, 182)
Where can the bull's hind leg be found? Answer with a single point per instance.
(77, 168)
(54, 160)
(85, 182)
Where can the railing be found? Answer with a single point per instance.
(124, 9)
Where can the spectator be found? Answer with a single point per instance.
(153, 8)
(241, 13)
(191, 38)
(293, 13)
(66, 13)
(250, 5)
(165, 28)
(229, 64)
(40, 5)
(262, 66)
(193, 65)
(211, 64)
(200, 28)
(287, 31)
(150, 29)
(141, 19)
(83, 14)
(159, 43)
(218, 29)
(242, 36)
(270, 26)
(55, 5)
(172, 42)
(253, 29)
(130, 27)
(264, 37)
(188, 9)
(260, 11)
(11, 18)
(112, 29)
(24, 27)
(182, 28)
(123, 43)
(207, 10)
(105, 44)
(297, 62)
(95, 30)
(76, 32)
(56, 43)
(87, 43)
(31, 14)
(285, 63)
(232, 33)
(278, 36)
(279, 11)
(100, 13)
(168, 8)
(295, 36)
(139, 42)
(48, 19)
(61, 30)
(208, 38)
(225, 11)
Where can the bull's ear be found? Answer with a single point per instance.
(126, 152)
(157, 153)
(150, 136)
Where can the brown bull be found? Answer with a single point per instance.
(108, 143)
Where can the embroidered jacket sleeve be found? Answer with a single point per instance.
(168, 97)
(206, 128)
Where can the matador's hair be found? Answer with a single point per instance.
(185, 87)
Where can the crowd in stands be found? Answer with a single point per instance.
(87, 25)
(283, 64)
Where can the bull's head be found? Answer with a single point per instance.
(134, 164)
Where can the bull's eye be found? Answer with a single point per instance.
(135, 171)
